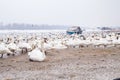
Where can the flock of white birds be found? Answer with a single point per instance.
(36, 44)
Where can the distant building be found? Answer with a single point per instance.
(74, 30)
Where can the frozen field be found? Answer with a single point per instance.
(30, 31)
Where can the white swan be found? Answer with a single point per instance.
(37, 55)
(13, 47)
(58, 45)
(26, 46)
(4, 49)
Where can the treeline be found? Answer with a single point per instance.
(16, 26)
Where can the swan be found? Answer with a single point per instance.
(59, 45)
(4, 50)
(13, 47)
(24, 45)
(36, 55)
(42, 44)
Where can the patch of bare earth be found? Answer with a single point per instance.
(68, 64)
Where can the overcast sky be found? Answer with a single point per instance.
(61, 12)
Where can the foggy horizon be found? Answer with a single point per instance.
(87, 13)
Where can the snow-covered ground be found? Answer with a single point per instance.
(30, 31)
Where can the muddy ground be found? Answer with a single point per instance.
(68, 64)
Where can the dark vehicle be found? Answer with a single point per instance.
(74, 30)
